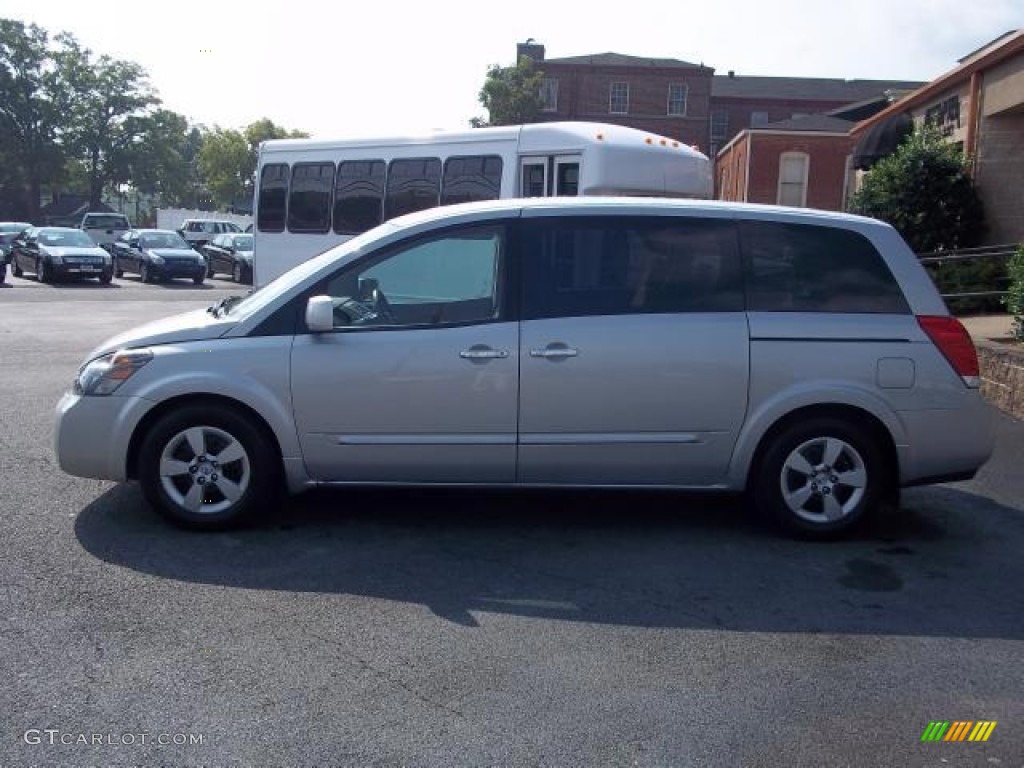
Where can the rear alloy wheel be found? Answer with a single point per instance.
(820, 478)
(206, 467)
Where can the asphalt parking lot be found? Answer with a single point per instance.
(448, 628)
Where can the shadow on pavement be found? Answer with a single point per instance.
(948, 564)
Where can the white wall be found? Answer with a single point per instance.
(173, 218)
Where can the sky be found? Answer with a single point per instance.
(337, 69)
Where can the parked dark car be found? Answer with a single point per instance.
(56, 252)
(232, 254)
(8, 231)
(157, 254)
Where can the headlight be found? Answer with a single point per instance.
(105, 374)
(155, 259)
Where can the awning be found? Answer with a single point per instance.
(881, 140)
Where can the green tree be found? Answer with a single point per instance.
(30, 117)
(228, 158)
(511, 95)
(162, 157)
(925, 191)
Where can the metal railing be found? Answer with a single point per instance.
(976, 277)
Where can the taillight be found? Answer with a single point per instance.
(954, 342)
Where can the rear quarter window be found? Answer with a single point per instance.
(811, 268)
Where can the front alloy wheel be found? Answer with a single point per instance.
(207, 468)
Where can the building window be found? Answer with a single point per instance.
(549, 94)
(719, 123)
(758, 119)
(793, 168)
(618, 99)
(677, 100)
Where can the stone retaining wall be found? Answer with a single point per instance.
(1002, 375)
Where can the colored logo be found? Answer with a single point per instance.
(958, 730)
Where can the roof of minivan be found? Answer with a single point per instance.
(716, 208)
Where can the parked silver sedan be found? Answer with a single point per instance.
(801, 356)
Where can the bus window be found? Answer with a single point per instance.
(412, 185)
(471, 178)
(273, 197)
(534, 173)
(358, 196)
(567, 178)
(309, 205)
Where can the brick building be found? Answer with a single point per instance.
(980, 106)
(688, 101)
(664, 96)
(801, 162)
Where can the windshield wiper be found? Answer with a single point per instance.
(223, 306)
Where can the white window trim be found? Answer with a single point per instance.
(803, 181)
(611, 99)
(686, 99)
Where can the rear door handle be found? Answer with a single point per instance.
(553, 351)
(482, 352)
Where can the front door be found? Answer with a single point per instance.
(419, 380)
(634, 351)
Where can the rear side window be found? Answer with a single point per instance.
(613, 266)
(270, 213)
(471, 178)
(358, 196)
(808, 268)
(309, 205)
(413, 185)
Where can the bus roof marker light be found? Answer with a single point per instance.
(600, 137)
(664, 143)
(648, 140)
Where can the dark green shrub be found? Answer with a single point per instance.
(1015, 298)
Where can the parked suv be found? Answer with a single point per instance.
(105, 228)
(804, 357)
(198, 232)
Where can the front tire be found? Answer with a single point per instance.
(146, 273)
(43, 271)
(118, 272)
(237, 272)
(208, 468)
(15, 269)
(820, 478)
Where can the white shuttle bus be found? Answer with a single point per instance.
(312, 194)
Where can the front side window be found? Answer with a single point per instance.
(549, 94)
(618, 99)
(413, 184)
(677, 100)
(273, 199)
(807, 268)
(445, 279)
(577, 267)
(309, 205)
(359, 196)
(471, 178)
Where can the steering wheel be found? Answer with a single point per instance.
(381, 306)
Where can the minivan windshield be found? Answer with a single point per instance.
(281, 285)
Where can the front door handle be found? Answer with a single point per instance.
(482, 352)
(555, 351)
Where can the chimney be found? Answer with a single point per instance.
(530, 50)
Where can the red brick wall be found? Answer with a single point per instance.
(825, 176)
(583, 94)
(739, 111)
(731, 170)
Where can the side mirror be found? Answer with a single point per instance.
(320, 314)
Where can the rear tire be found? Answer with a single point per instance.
(208, 468)
(820, 478)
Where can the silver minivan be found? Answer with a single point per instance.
(802, 356)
